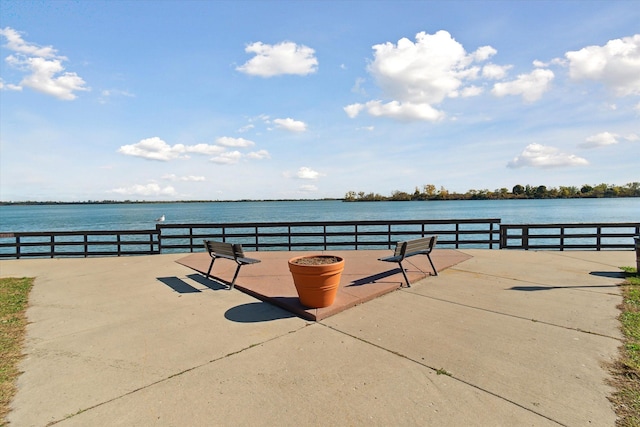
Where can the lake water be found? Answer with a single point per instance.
(93, 217)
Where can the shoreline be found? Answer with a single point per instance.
(435, 199)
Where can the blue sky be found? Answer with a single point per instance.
(227, 100)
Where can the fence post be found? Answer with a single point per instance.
(356, 237)
(257, 240)
(637, 239)
(159, 231)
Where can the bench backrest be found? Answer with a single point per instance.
(224, 249)
(408, 247)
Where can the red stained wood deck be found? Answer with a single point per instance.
(364, 277)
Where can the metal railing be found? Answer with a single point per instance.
(598, 236)
(79, 243)
(333, 235)
(318, 235)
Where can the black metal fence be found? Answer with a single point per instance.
(55, 244)
(353, 235)
(333, 235)
(614, 236)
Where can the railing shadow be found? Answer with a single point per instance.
(612, 274)
(609, 274)
(549, 288)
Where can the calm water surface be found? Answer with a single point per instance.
(15, 218)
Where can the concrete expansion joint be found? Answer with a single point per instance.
(500, 313)
(567, 254)
(175, 375)
(442, 371)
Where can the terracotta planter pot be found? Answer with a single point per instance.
(316, 281)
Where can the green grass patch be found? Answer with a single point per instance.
(14, 298)
(626, 370)
(443, 371)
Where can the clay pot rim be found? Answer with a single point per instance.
(292, 260)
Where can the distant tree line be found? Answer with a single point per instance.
(430, 192)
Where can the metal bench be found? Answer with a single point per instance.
(409, 248)
(229, 251)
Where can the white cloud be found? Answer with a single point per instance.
(9, 86)
(483, 53)
(282, 58)
(226, 141)
(227, 158)
(471, 91)
(157, 149)
(307, 173)
(290, 125)
(43, 67)
(187, 178)
(416, 76)
(106, 95)
(404, 111)
(531, 86)
(154, 149)
(151, 189)
(357, 87)
(206, 149)
(632, 137)
(259, 155)
(541, 156)
(18, 45)
(601, 139)
(401, 111)
(354, 109)
(616, 65)
(309, 188)
(495, 72)
(246, 128)
(427, 71)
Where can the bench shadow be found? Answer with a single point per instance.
(213, 283)
(178, 285)
(375, 277)
(256, 312)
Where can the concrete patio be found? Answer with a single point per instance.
(498, 338)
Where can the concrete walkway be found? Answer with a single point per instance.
(504, 338)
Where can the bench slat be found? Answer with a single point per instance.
(419, 245)
(220, 249)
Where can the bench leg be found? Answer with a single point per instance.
(432, 266)
(233, 282)
(210, 266)
(404, 274)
